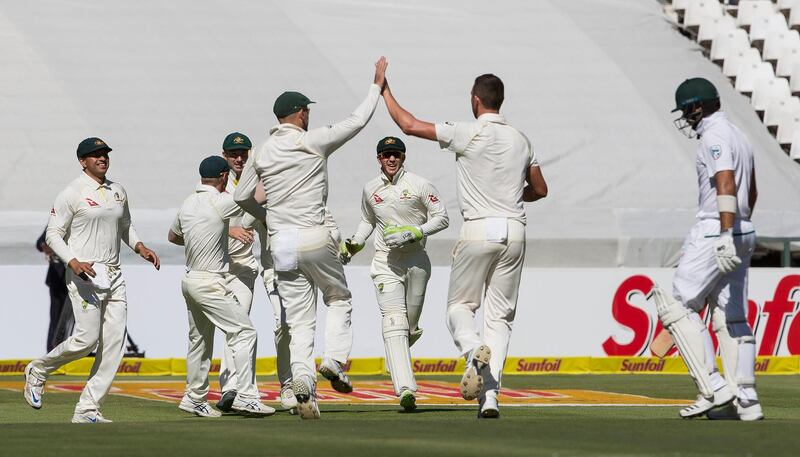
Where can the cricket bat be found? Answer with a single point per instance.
(661, 344)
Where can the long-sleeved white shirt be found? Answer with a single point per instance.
(238, 251)
(406, 199)
(492, 161)
(292, 165)
(202, 221)
(88, 220)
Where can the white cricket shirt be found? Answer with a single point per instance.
(202, 221)
(292, 165)
(723, 147)
(407, 199)
(88, 220)
(492, 161)
(238, 251)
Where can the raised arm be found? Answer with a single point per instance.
(245, 194)
(409, 124)
(326, 140)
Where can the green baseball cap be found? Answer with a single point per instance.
(694, 90)
(391, 143)
(212, 167)
(236, 141)
(90, 145)
(289, 102)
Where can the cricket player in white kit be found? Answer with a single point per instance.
(292, 165)
(88, 220)
(406, 209)
(496, 171)
(202, 227)
(714, 262)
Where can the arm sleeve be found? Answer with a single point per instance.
(717, 154)
(455, 136)
(60, 219)
(324, 141)
(245, 192)
(437, 213)
(176, 225)
(126, 231)
(248, 222)
(226, 206)
(330, 223)
(367, 223)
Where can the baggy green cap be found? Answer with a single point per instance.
(90, 145)
(289, 102)
(236, 141)
(391, 143)
(694, 90)
(212, 167)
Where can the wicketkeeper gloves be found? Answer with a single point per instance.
(396, 236)
(347, 249)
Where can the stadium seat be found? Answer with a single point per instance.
(776, 109)
(728, 43)
(735, 61)
(766, 90)
(711, 27)
(794, 79)
(784, 6)
(794, 150)
(776, 42)
(750, 11)
(787, 126)
(750, 73)
(700, 11)
(794, 17)
(763, 25)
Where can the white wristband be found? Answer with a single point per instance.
(726, 204)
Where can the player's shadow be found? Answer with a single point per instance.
(392, 410)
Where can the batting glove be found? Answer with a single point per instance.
(725, 252)
(399, 236)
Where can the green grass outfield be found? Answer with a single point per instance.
(153, 428)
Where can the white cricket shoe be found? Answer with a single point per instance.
(306, 393)
(489, 409)
(34, 388)
(472, 380)
(251, 407)
(408, 401)
(202, 409)
(90, 417)
(723, 396)
(744, 410)
(332, 371)
(288, 400)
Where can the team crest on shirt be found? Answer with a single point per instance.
(91, 202)
(380, 287)
(715, 151)
(117, 197)
(405, 195)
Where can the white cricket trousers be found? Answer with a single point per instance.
(400, 279)
(318, 266)
(211, 304)
(282, 336)
(241, 280)
(492, 271)
(99, 322)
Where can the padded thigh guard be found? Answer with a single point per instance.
(687, 332)
(395, 339)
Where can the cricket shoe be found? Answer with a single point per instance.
(288, 400)
(34, 388)
(202, 409)
(489, 408)
(252, 408)
(90, 417)
(472, 380)
(408, 401)
(702, 405)
(414, 336)
(744, 410)
(306, 394)
(332, 371)
(226, 401)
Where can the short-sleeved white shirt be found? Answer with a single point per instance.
(492, 160)
(202, 221)
(723, 147)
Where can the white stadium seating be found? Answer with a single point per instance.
(757, 45)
